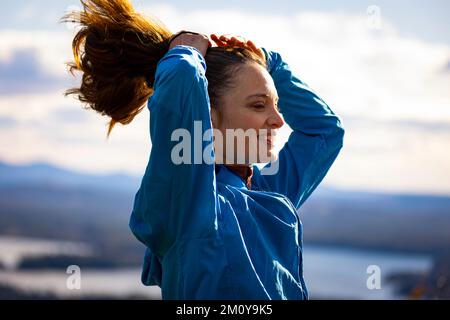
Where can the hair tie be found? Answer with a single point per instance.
(181, 32)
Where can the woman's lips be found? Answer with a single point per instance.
(270, 141)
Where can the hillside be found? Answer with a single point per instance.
(47, 202)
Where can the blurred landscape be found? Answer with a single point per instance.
(74, 218)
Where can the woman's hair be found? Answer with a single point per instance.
(222, 64)
(117, 51)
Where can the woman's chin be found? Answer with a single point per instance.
(270, 156)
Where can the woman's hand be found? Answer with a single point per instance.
(225, 41)
(193, 39)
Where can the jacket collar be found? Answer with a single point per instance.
(236, 175)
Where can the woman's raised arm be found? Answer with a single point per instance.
(315, 142)
(176, 200)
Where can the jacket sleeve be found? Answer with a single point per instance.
(177, 200)
(313, 145)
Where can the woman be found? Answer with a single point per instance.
(213, 229)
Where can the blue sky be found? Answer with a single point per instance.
(389, 84)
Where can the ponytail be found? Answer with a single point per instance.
(117, 51)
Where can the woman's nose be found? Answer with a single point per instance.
(275, 120)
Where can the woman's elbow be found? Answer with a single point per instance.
(339, 132)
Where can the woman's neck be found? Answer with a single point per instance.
(244, 171)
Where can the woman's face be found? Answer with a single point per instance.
(250, 105)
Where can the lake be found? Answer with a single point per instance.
(342, 273)
(336, 273)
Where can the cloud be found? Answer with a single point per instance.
(51, 128)
(389, 89)
(69, 115)
(34, 61)
(7, 122)
(357, 69)
(34, 15)
(23, 73)
(446, 68)
(425, 126)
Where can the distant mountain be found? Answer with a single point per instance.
(42, 174)
(382, 221)
(40, 200)
(44, 201)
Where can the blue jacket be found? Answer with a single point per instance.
(207, 235)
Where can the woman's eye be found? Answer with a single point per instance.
(259, 106)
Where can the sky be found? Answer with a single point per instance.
(383, 67)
